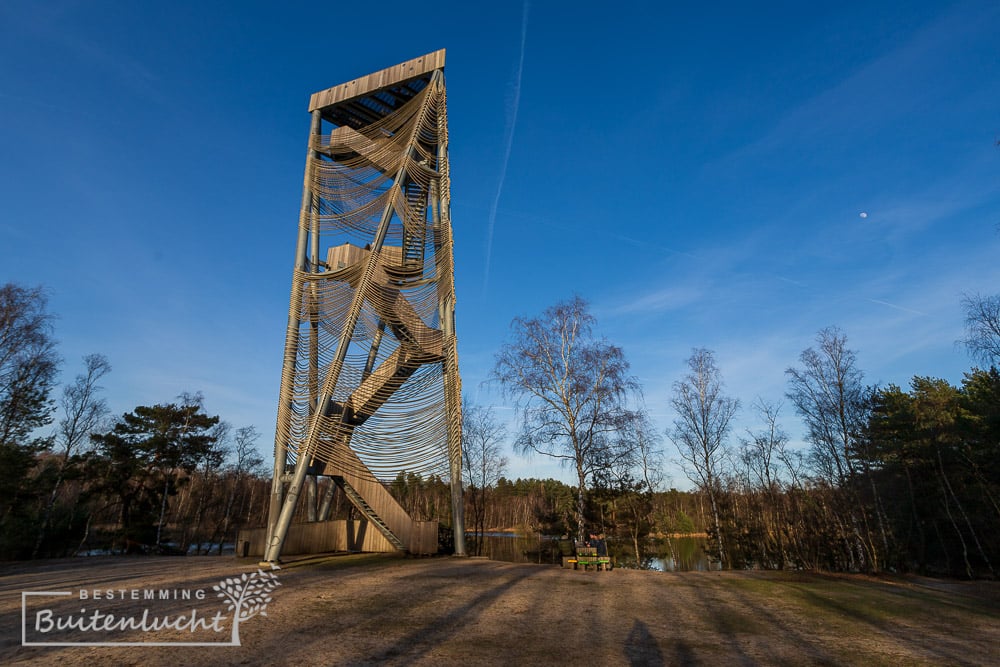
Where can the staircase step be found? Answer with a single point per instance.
(368, 512)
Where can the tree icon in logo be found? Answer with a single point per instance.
(247, 596)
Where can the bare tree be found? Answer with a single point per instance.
(28, 368)
(571, 387)
(761, 453)
(763, 449)
(704, 416)
(208, 493)
(482, 437)
(828, 392)
(633, 480)
(648, 454)
(28, 363)
(247, 462)
(982, 327)
(84, 412)
(829, 395)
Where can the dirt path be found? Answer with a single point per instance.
(360, 610)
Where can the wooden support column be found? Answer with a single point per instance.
(292, 330)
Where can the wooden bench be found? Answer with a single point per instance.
(587, 557)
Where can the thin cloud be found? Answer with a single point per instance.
(662, 300)
(645, 244)
(510, 143)
(957, 194)
(59, 25)
(791, 282)
(892, 305)
(887, 82)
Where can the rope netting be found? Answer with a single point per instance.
(370, 382)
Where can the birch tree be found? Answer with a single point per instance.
(828, 392)
(483, 460)
(982, 327)
(28, 368)
(84, 411)
(704, 417)
(572, 389)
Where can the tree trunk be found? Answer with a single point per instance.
(229, 511)
(47, 516)
(965, 517)
(86, 534)
(954, 524)
(163, 509)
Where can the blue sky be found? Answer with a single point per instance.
(698, 174)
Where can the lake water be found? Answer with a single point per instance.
(677, 554)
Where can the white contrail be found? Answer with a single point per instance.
(892, 305)
(506, 155)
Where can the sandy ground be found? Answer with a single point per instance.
(360, 610)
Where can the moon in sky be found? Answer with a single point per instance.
(863, 214)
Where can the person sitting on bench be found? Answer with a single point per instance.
(598, 543)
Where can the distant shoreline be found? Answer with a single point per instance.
(513, 532)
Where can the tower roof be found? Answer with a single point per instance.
(366, 99)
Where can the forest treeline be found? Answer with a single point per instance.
(886, 479)
(913, 488)
(889, 478)
(75, 480)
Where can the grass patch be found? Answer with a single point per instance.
(345, 561)
(852, 600)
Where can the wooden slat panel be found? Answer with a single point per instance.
(391, 305)
(381, 502)
(411, 69)
(376, 389)
(322, 536)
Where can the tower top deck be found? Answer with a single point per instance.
(369, 98)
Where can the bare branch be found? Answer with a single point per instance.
(570, 386)
(982, 327)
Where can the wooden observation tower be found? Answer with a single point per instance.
(370, 385)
